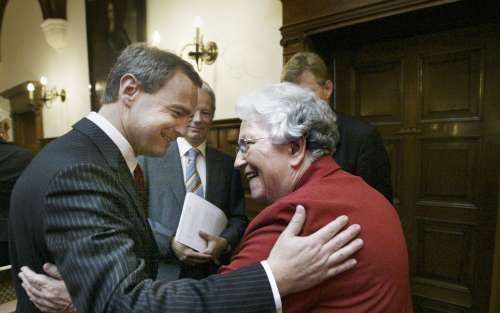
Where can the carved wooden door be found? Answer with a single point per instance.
(435, 99)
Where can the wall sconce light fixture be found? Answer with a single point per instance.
(203, 52)
(46, 95)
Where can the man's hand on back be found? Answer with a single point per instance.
(299, 263)
(47, 292)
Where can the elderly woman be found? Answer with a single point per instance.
(287, 137)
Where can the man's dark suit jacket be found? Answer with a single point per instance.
(361, 152)
(166, 193)
(75, 205)
(13, 160)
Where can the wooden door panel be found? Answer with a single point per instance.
(451, 85)
(448, 167)
(444, 261)
(394, 151)
(378, 92)
(429, 306)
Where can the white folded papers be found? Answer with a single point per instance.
(199, 214)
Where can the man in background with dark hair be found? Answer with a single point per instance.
(13, 160)
(360, 150)
(79, 205)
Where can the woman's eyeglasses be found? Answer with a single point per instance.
(244, 144)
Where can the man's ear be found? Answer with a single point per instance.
(328, 89)
(297, 152)
(129, 87)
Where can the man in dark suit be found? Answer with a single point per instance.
(220, 185)
(360, 150)
(78, 205)
(13, 160)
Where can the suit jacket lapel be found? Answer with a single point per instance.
(115, 160)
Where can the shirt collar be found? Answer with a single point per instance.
(117, 138)
(184, 146)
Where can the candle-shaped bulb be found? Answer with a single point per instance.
(197, 25)
(31, 89)
(156, 38)
(197, 21)
(43, 81)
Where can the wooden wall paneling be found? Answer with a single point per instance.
(492, 147)
(490, 157)
(394, 150)
(223, 135)
(439, 276)
(439, 134)
(3, 5)
(378, 92)
(448, 171)
(452, 85)
(27, 116)
(312, 17)
(495, 288)
(456, 65)
(446, 132)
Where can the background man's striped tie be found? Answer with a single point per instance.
(192, 179)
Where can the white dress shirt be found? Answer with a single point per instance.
(123, 145)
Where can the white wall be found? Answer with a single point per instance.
(246, 32)
(25, 55)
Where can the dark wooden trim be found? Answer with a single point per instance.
(334, 14)
(495, 283)
(226, 123)
(19, 97)
(3, 5)
(344, 13)
(53, 8)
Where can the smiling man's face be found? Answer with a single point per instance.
(152, 121)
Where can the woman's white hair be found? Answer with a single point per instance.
(289, 112)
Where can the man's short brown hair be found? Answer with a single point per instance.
(151, 66)
(301, 62)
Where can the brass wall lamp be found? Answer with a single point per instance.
(47, 95)
(203, 52)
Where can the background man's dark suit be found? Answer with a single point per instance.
(361, 152)
(13, 160)
(166, 190)
(76, 206)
